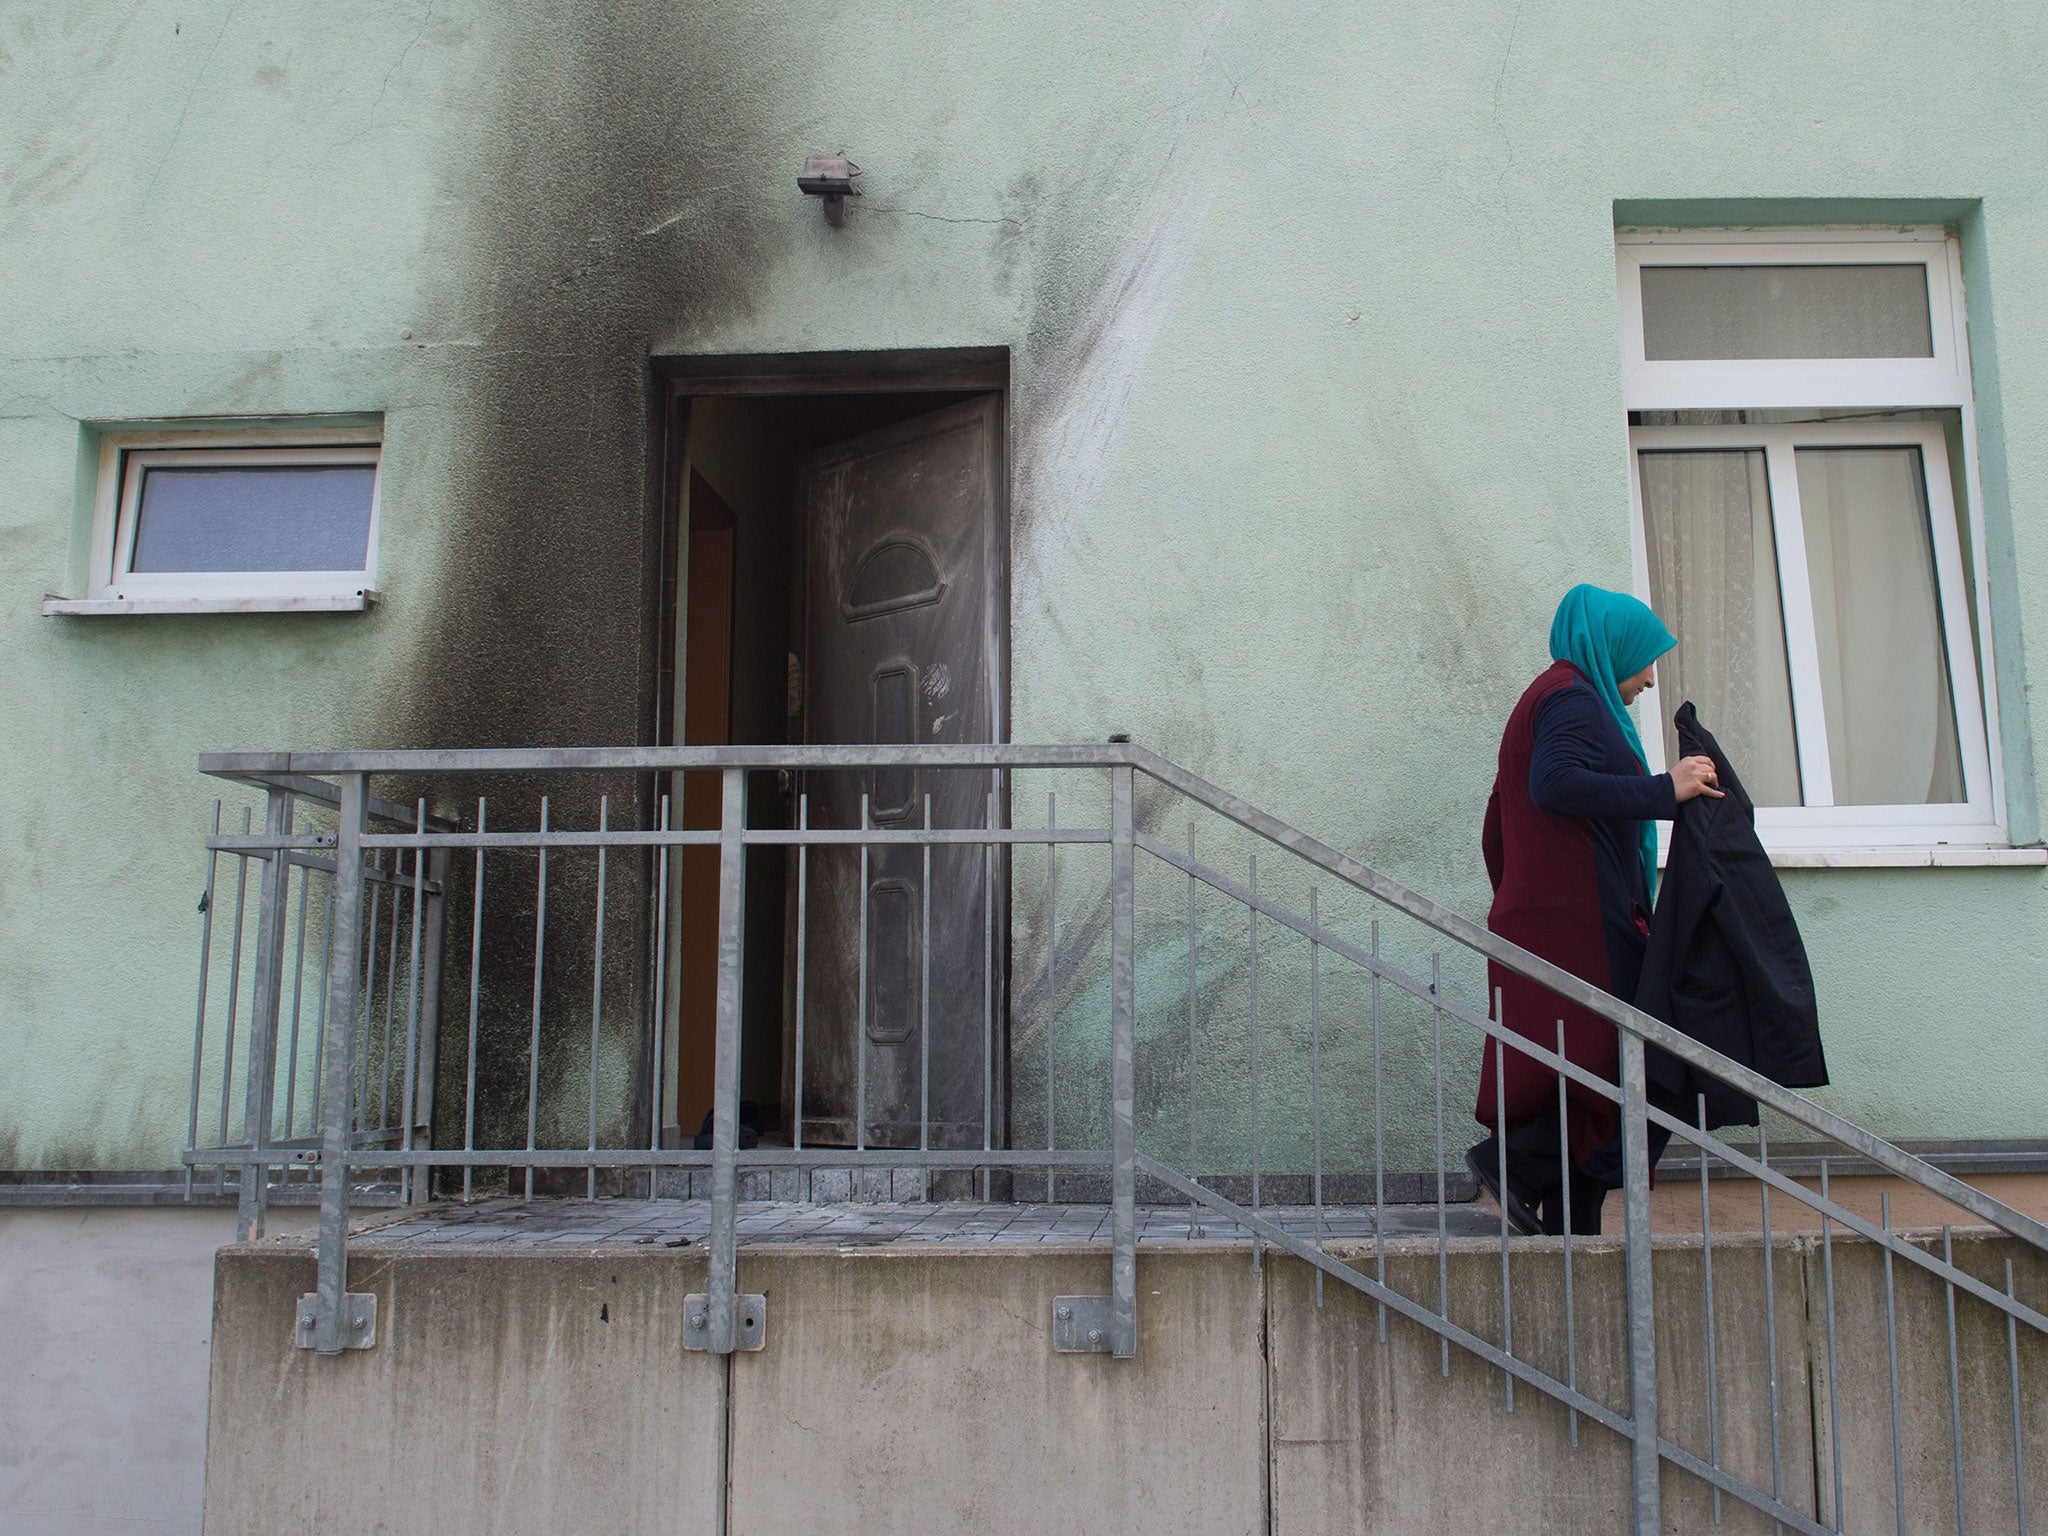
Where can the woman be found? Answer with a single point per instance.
(1571, 847)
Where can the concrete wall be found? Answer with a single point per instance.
(546, 1395)
(1316, 407)
(908, 1391)
(103, 1367)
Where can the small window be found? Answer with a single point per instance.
(213, 520)
(1802, 473)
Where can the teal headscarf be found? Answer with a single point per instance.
(1609, 636)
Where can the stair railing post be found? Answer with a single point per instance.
(273, 893)
(432, 961)
(1123, 1280)
(331, 1319)
(725, 1088)
(1642, 1307)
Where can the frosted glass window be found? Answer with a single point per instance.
(1714, 579)
(1891, 718)
(1717, 313)
(256, 517)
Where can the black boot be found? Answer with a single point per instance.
(1484, 1161)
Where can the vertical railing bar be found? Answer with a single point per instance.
(803, 915)
(2012, 1368)
(227, 1068)
(1891, 1350)
(1194, 1052)
(1500, 1142)
(1252, 872)
(391, 989)
(988, 994)
(1571, 1320)
(476, 958)
(1315, 1075)
(1642, 1303)
(291, 1070)
(732, 895)
(409, 1093)
(1052, 959)
(657, 1072)
(1827, 1260)
(331, 1331)
(433, 1000)
(540, 935)
(266, 1003)
(1763, 1156)
(604, 826)
(860, 1070)
(199, 1017)
(1707, 1271)
(320, 1011)
(1123, 1295)
(369, 993)
(1955, 1386)
(1443, 1262)
(924, 1008)
(1379, 1146)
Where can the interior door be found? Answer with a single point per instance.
(903, 605)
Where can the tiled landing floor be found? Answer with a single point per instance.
(678, 1223)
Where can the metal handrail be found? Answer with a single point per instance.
(332, 1319)
(261, 768)
(1583, 994)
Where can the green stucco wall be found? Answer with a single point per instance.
(1315, 403)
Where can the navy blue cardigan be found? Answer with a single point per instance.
(1583, 767)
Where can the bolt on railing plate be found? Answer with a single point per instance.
(359, 1310)
(749, 1321)
(1080, 1325)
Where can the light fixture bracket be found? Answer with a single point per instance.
(830, 177)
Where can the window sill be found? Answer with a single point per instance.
(105, 607)
(1937, 856)
(1941, 856)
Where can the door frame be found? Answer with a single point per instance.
(676, 379)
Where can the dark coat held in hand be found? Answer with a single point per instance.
(1725, 963)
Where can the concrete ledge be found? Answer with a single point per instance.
(1376, 1438)
(917, 1391)
(1861, 1396)
(542, 1392)
(914, 1390)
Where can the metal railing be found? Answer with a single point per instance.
(1144, 1017)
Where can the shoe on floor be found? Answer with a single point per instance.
(1486, 1169)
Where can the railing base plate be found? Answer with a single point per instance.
(1080, 1325)
(749, 1321)
(359, 1316)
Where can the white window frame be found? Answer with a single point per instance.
(124, 460)
(1839, 383)
(1819, 827)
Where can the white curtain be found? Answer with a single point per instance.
(1883, 663)
(1714, 581)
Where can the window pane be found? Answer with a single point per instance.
(1877, 617)
(256, 517)
(1714, 580)
(1709, 313)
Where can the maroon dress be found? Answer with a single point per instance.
(1567, 885)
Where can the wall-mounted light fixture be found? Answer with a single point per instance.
(830, 177)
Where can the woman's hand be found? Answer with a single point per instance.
(1695, 776)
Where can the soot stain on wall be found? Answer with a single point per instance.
(603, 120)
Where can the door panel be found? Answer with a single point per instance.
(903, 607)
(707, 722)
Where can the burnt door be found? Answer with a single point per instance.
(903, 607)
